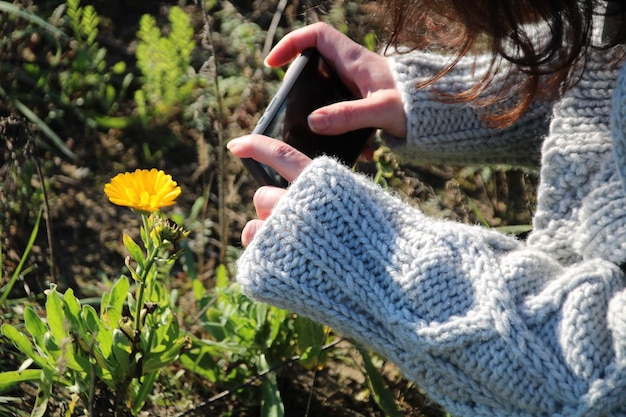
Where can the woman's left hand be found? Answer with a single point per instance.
(365, 72)
(286, 160)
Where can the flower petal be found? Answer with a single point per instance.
(143, 190)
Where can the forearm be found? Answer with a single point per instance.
(470, 314)
(339, 249)
(441, 132)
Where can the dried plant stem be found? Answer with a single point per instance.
(46, 206)
(315, 374)
(219, 128)
(271, 31)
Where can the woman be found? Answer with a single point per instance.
(488, 325)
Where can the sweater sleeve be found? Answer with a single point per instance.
(486, 325)
(442, 132)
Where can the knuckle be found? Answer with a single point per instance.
(283, 151)
(260, 196)
(346, 115)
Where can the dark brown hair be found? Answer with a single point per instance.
(501, 28)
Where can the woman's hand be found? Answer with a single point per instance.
(287, 161)
(365, 72)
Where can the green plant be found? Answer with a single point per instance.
(16, 78)
(386, 165)
(125, 345)
(168, 80)
(86, 83)
(249, 340)
(49, 75)
(253, 341)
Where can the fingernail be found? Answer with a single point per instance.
(318, 122)
(234, 143)
(248, 233)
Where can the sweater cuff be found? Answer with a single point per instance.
(454, 133)
(315, 251)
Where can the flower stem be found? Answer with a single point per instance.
(152, 252)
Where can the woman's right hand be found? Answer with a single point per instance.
(365, 72)
(283, 158)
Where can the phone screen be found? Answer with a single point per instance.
(310, 83)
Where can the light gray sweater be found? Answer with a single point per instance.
(486, 324)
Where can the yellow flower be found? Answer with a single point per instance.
(143, 190)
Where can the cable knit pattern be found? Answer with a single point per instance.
(580, 187)
(618, 124)
(486, 324)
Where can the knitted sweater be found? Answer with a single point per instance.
(488, 325)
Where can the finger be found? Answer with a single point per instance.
(312, 36)
(339, 50)
(382, 109)
(249, 231)
(286, 160)
(265, 199)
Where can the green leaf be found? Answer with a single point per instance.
(29, 246)
(104, 368)
(311, 337)
(370, 41)
(118, 294)
(199, 290)
(515, 229)
(271, 403)
(154, 361)
(35, 325)
(221, 277)
(111, 316)
(200, 359)
(477, 212)
(310, 333)
(119, 67)
(55, 315)
(113, 122)
(90, 318)
(382, 396)
(122, 349)
(147, 382)
(51, 347)
(134, 250)
(72, 310)
(45, 390)
(102, 332)
(167, 331)
(24, 345)
(9, 379)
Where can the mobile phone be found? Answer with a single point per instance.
(309, 83)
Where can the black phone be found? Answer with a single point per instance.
(309, 83)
